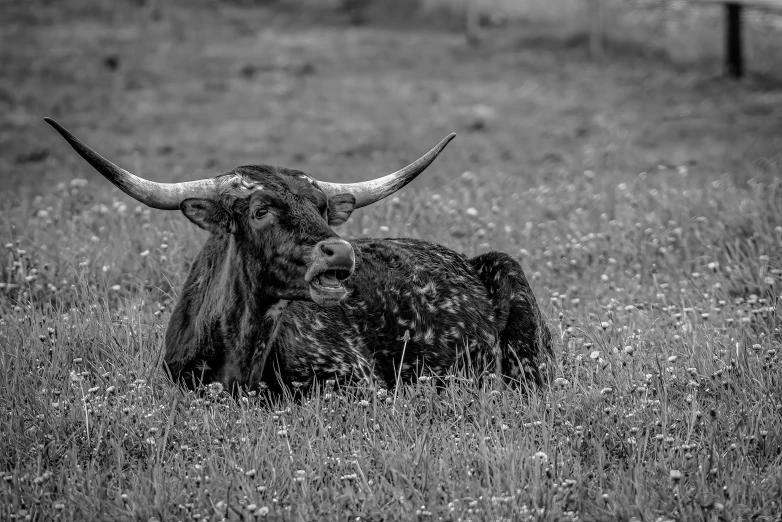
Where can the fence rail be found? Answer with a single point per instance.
(733, 33)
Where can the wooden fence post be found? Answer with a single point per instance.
(734, 57)
(596, 29)
(472, 23)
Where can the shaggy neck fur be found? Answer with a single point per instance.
(223, 311)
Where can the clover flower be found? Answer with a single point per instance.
(540, 457)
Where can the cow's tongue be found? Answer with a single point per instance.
(329, 279)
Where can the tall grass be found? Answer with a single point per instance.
(661, 291)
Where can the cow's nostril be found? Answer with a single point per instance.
(338, 255)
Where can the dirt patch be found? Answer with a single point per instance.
(183, 90)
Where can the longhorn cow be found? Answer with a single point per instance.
(275, 298)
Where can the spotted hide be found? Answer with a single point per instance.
(453, 311)
(275, 297)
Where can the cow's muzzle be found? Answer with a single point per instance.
(333, 261)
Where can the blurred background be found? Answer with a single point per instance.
(347, 89)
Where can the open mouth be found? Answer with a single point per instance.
(326, 287)
(331, 279)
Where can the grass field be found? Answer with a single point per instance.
(642, 202)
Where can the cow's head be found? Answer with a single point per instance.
(281, 218)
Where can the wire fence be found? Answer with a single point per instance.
(688, 32)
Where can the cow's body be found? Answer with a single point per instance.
(455, 311)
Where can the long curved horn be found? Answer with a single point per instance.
(165, 196)
(368, 192)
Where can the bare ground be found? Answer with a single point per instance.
(179, 91)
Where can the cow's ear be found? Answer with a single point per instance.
(340, 208)
(208, 215)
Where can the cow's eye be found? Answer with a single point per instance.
(259, 212)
